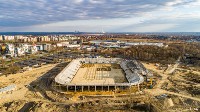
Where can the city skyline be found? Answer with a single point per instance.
(95, 15)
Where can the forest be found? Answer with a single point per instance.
(165, 55)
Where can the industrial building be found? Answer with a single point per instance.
(121, 44)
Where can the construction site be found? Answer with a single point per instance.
(101, 74)
(101, 84)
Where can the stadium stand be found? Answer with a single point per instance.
(134, 71)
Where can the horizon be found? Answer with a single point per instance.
(105, 33)
(89, 32)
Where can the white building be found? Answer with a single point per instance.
(11, 50)
(67, 44)
(68, 37)
(8, 37)
(1, 37)
(115, 43)
(144, 43)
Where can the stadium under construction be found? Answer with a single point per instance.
(101, 74)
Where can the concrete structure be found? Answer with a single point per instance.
(8, 37)
(7, 89)
(13, 50)
(20, 51)
(1, 38)
(143, 43)
(100, 73)
(31, 38)
(68, 45)
(122, 44)
(43, 47)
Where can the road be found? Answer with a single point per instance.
(21, 80)
(171, 70)
(157, 89)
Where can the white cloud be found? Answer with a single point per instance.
(175, 2)
(48, 11)
(97, 1)
(91, 15)
(78, 1)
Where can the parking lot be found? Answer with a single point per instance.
(37, 62)
(49, 59)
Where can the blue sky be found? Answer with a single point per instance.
(95, 15)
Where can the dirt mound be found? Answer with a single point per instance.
(24, 106)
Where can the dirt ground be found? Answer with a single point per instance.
(181, 88)
(90, 75)
(176, 83)
(21, 80)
